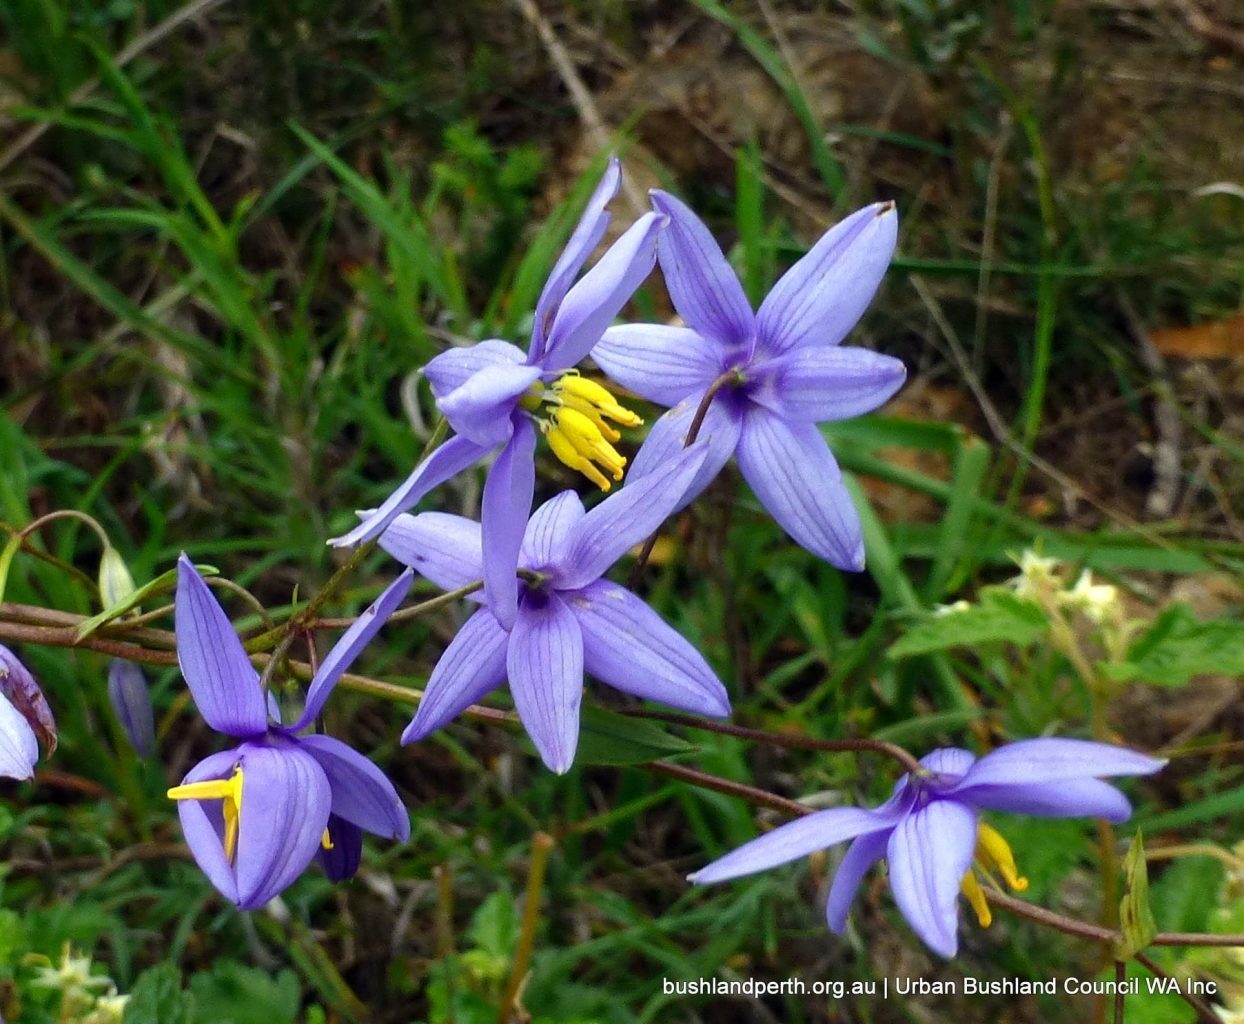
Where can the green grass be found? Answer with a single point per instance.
(215, 342)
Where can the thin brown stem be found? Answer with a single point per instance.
(777, 739)
(1096, 933)
(693, 432)
(406, 614)
(715, 782)
(1203, 1010)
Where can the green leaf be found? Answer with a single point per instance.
(999, 616)
(1135, 915)
(494, 926)
(245, 995)
(164, 581)
(157, 998)
(606, 737)
(1178, 647)
(6, 560)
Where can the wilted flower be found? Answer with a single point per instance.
(569, 619)
(783, 367)
(496, 397)
(254, 816)
(929, 830)
(131, 702)
(24, 718)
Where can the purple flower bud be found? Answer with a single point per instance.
(131, 701)
(340, 858)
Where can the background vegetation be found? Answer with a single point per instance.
(234, 230)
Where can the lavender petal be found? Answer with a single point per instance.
(446, 461)
(285, 804)
(818, 384)
(593, 303)
(929, 852)
(627, 645)
(705, 289)
(508, 491)
(796, 478)
(361, 793)
(586, 237)
(794, 840)
(224, 684)
(446, 549)
(545, 665)
(473, 664)
(662, 364)
(361, 632)
(824, 295)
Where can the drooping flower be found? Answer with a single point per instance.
(497, 397)
(783, 366)
(254, 816)
(131, 702)
(930, 832)
(24, 718)
(569, 619)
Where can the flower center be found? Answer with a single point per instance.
(227, 790)
(993, 854)
(575, 414)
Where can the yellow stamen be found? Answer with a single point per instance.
(326, 840)
(578, 414)
(586, 440)
(995, 854)
(586, 392)
(227, 790)
(566, 453)
(976, 898)
(593, 414)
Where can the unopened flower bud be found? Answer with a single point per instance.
(115, 582)
(131, 701)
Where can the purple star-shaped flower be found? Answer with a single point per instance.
(24, 716)
(495, 396)
(929, 830)
(785, 369)
(569, 620)
(254, 816)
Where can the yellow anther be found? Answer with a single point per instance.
(326, 840)
(566, 453)
(588, 445)
(592, 413)
(994, 854)
(579, 392)
(227, 790)
(976, 899)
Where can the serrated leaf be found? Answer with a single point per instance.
(608, 738)
(165, 581)
(1178, 647)
(157, 998)
(998, 617)
(1136, 922)
(245, 995)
